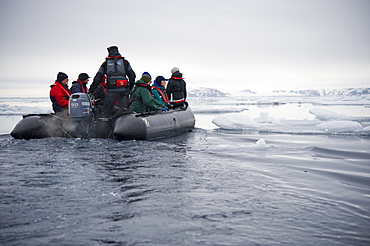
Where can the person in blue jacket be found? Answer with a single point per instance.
(80, 86)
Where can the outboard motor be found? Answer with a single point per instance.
(79, 106)
(80, 112)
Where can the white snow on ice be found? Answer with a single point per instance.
(259, 145)
(235, 113)
(324, 114)
(339, 126)
(264, 118)
(235, 121)
(325, 122)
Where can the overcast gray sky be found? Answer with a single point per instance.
(223, 44)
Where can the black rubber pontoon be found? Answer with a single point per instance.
(151, 126)
(125, 126)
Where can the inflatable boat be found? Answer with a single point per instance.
(82, 123)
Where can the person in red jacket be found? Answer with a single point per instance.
(59, 94)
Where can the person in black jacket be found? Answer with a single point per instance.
(80, 86)
(120, 80)
(176, 88)
(99, 94)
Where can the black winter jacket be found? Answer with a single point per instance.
(103, 70)
(176, 87)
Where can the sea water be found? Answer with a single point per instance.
(210, 186)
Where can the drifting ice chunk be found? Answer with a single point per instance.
(264, 118)
(366, 129)
(235, 121)
(324, 114)
(339, 126)
(261, 143)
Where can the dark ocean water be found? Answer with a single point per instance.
(201, 188)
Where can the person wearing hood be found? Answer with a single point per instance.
(60, 94)
(80, 85)
(120, 81)
(159, 91)
(142, 99)
(176, 88)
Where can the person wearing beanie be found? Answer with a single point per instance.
(146, 73)
(176, 89)
(159, 91)
(120, 81)
(146, 79)
(59, 95)
(61, 77)
(142, 99)
(80, 85)
(174, 70)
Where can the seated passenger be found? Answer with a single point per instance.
(79, 86)
(141, 97)
(59, 95)
(159, 91)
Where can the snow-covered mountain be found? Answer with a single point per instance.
(205, 92)
(248, 92)
(349, 92)
(309, 92)
(210, 92)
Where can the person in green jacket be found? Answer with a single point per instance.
(142, 99)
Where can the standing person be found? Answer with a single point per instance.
(120, 81)
(59, 94)
(81, 84)
(159, 91)
(176, 88)
(142, 99)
